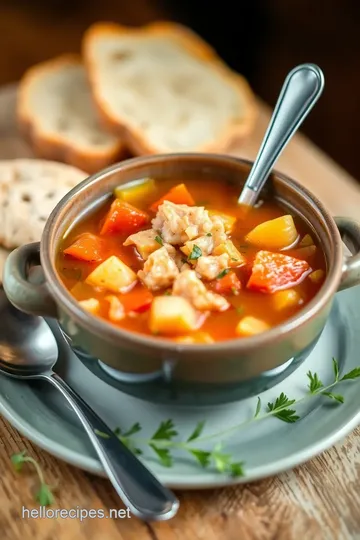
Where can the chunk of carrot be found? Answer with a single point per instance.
(87, 247)
(177, 195)
(274, 271)
(139, 299)
(124, 218)
(230, 283)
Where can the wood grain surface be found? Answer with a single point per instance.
(317, 501)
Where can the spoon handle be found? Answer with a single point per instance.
(301, 90)
(137, 487)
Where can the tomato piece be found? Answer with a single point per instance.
(139, 299)
(123, 217)
(177, 195)
(273, 272)
(87, 247)
(230, 283)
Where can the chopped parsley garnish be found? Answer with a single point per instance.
(195, 254)
(223, 273)
(159, 240)
(209, 234)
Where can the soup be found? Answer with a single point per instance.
(185, 262)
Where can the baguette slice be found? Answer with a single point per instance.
(29, 191)
(164, 89)
(57, 115)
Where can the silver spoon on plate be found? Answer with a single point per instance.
(301, 90)
(28, 350)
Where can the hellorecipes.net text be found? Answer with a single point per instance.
(44, 512)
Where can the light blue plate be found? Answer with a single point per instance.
(266, 447)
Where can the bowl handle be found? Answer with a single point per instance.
(350, 233)
(25, 294)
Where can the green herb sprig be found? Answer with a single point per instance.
(164, 440)
(195, 253)
(44, 494)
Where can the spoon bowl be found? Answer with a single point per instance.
(302, 88)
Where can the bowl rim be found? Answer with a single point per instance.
(104, 329)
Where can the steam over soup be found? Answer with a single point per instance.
(187, 263)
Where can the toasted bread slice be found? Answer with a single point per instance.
(163, 89)
(56, 112)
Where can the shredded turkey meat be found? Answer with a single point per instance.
(160, 269)
(188, 285)
(178, 223)
(211, 266)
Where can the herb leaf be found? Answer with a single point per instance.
(223, 273)
(202, 456)
(280, 411)
(163, 454)
(195, 254)
(159, 240)
(336, 369)
(102, 434)
(258, 408)
(18, 460)
(353, 374)
(314, 383)
(135, 428)
(336, 397)
(44, 495)
(165, 431)
(237, 469)
(197, 431)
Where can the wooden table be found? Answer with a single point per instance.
(319, 500)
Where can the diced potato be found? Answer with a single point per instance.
(136, 191)
(91, 305)
(250, 326)
(116, 310)
(306, 241)
(197, 337)
(172, 315)
(112, 275)
(228, 220)
(286, 299)
(236, 258)
(304, 253)
(277, 233)
(317, 276)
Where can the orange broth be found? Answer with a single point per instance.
(214, 196)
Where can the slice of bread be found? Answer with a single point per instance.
(163, 89)
(56, 113)
(29, 191)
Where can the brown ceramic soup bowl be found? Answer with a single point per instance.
(164, 371)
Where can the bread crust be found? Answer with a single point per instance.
(134, 139)
(59, 148)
